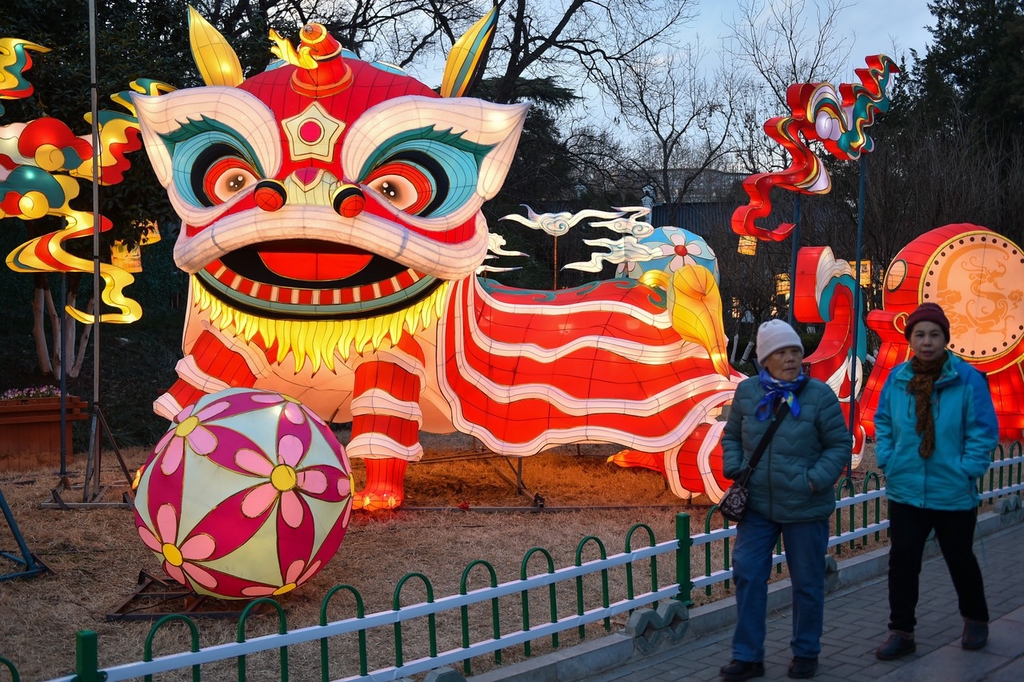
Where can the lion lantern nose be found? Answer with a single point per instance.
(348, 201)
(270, 195)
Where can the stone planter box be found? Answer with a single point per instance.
(30, 431)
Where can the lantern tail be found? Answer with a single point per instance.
(695, 303)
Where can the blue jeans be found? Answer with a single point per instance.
(806, 543)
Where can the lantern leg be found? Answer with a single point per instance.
(385, 485)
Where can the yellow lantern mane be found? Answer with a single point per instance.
(319, 341)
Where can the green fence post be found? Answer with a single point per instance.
(552, 596)
(87, 656)
(15, 677)
(683, 559)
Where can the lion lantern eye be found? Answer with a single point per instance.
(407, 186)
(226, 178)
(219, 173)
(398, 191)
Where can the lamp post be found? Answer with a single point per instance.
(854, 336)
(793, 257)
(92, 466)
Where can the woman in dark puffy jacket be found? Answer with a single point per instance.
(935, 429)
(791, 493)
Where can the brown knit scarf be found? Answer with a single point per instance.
(921, 386)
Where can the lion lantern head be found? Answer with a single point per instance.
(326, 187)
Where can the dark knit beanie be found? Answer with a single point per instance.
(927, 312)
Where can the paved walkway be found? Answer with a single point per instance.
(855, 623)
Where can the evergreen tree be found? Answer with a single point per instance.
(975, 67)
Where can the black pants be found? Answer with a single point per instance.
(909, 527)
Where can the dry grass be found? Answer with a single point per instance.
(96, 558)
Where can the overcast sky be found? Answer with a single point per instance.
(877, 24)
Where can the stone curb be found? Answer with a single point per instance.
(585, 660)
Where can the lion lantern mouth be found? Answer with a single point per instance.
(313, 279)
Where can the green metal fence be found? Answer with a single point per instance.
(12, 671)
(858, 518)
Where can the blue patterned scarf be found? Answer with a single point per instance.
(775, 389)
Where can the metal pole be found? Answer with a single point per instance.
(854, 340)
(95, 429)
(554, 286)
(792, 262)
(63, 351)
(29, 560)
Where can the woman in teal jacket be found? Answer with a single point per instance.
(935, 429)
(791, 494)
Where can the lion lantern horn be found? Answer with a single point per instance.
(322, 69)
(217, 62)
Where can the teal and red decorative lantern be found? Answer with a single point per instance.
(247, 495)
(668, 249)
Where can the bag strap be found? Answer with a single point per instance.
(779, 415)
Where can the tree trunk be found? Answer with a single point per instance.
(83, 344)
(74, 365)
(55, 327)
(39, 298)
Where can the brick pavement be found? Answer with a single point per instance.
(855, 623)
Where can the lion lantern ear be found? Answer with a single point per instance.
(217, 62)
(468, 58)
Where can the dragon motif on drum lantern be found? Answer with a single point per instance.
(977, 276)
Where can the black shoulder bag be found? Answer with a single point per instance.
(734, 503)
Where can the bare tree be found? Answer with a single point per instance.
(925, 178)
(400, 32)
(602, 164)
(777, 40)
(682, 116)
(579, 39)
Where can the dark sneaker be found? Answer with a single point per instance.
(742, 670)
(975, 635)
(898, 645)
(803, 668)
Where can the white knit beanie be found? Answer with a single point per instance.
(773, 335)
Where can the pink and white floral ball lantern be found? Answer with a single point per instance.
(248, 495)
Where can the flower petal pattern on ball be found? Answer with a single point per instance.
(257, 502)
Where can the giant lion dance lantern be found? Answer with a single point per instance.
(332, 230)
